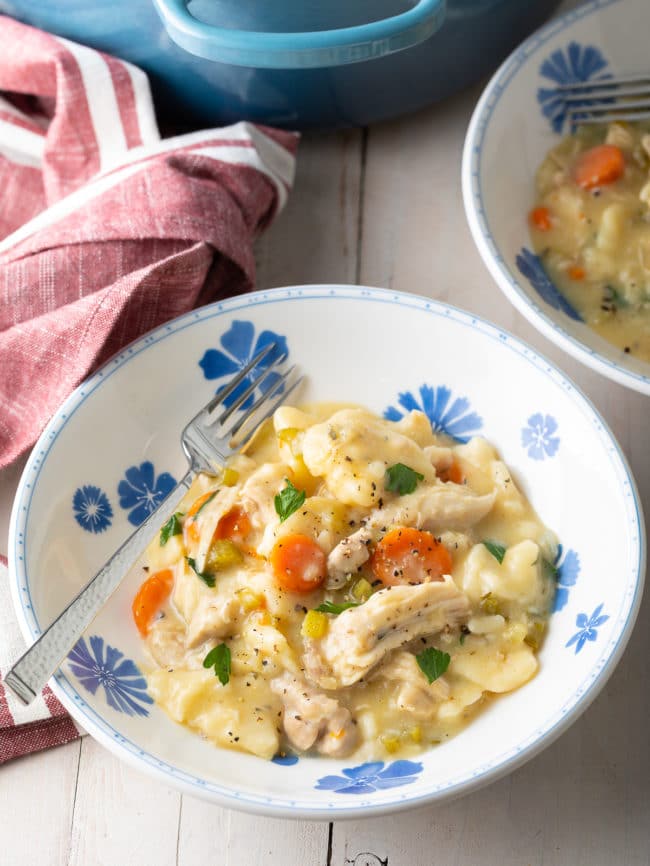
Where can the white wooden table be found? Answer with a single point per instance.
(382, 208)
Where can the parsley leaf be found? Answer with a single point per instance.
(172, 527)
(203, 504)
(402, 479)
(462, 638)
(205, 576)
(288, 500)
(498, 551)
(336, 609)
(219, 659)
(433, 662)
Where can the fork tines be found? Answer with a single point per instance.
(604, 100)
(262, 374)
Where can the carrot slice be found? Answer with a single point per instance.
(452, 473)
(540, 217)
(190, 527)
(576, 272)
(298, 563)
(598, 166)
(151, 596)
(235, 525)
(409, 556)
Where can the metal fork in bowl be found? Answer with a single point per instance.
(208, 440)
(626, 97)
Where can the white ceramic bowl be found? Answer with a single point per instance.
(74, 506)
(517, 120)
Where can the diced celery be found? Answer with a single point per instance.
(222, 554)
(314, 624)
(362, 590)
(230, 477)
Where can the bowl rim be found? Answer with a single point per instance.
(477, 216)
(184, 780)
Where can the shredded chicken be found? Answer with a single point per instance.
(311, 718)
(214, 618)
(415, 694)
(258, 493)
(433, 507)
(361, 637)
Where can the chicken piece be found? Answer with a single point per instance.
(207, 519)
(214, 618)
(258, 493)
(347, 557)
(434, 507)
(361, 637)
(311, 718)
(415, 695)
(166, 641)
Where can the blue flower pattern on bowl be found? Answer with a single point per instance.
(567, 569)
(538, 436)
(573, 65)
(531, 267)
(455, 420)
(124, 686)
(371, 777)
(285, 760)
(240, 348)
(587, 628)
(91, 508)
(142, 492)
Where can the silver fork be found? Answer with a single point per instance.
(208, 440)
(626, 97)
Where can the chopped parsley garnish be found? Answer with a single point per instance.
(462, 638)
(207, 502)
(433, 662)
(402, 479)
(172, 527)
(498, 551)
(205, 576)
(219, 659)
(336, 609)
(288, 500)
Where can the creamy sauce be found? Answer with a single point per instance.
(349, 683)
(596, 246)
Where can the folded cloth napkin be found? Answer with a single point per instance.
(106, 231)
(42, 724)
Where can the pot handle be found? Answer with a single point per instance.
(300, 50)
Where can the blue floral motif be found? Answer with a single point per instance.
(123, 683)
(538, 437)
(455, 420)
(574, 65)
(91, 508)
(285, 760)
(142, 492)
(241, 348)
(567, 569)
(587, 628)
(368, 778)
(531, 267)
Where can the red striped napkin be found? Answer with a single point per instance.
(106, 231)
(42, 724)
(109, 230)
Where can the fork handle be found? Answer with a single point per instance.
(32, 670)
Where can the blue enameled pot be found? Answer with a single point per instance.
(295, 63)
